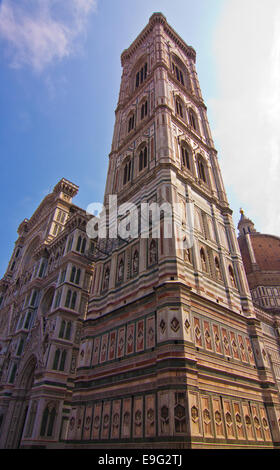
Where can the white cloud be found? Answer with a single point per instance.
(247, 110)
(39, 32)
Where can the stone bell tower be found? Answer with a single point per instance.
(172, 353)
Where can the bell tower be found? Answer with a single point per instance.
(171, 344)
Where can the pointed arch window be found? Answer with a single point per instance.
(153, 252)
(71, 299)
(179, 108)
(13, 374)
(75, 275)
(201, 168)
(27, 320)
(57, 299)
(135, 262)
(178, 73)
(31, 420)
(62, 329)
(120, 275)
(106, 278)
(127, 171)
(44, 421)
(144, 109)
(81, 244)
(131, 123)
(65, 329)
(69, 243)
(232, 277)
(20, 347)
(203, 260)
(193, 119)
(143, 158)
(185, 154)
(68, 330)
(218, 269)
(141, 75)
(48, 420)
(56, 359)
(63, 360)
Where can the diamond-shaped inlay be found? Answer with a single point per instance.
(140, 334)
(162, 326)
(206, 416)
(187, 324)
(175, 325)
(207, 336)
(257, 422)
(150, 414)
(228, 418)
(194, 413)
(130, 339)
(197, 332)
(265, 423)
(218, 417)
(248, 420)
(238, 419)
(138, 418)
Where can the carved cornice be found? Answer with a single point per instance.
(157, 18)
(66, 187)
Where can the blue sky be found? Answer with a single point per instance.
(59, 81)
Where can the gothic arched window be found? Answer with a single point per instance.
(68, 330)
(106, 278)
(179, 108)
(201, 168)
(83, 245)
(185, 153)
(203, 260)
(71, 298)
(153, 252)
(48, 420)
(232, 277)
(218, 269)
(141, 75)
(31, 419)
(79, 242)
(135, 262)
(131, 123)
(73, 301)
(68, 298)
(127, 171)
(193, 119)
(62, 360)
(73, 274)
(144, 109)
(143, 158)
(120, 271)
(62, 329)
(56, 359)
(178, 73)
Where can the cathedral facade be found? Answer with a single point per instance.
(150, 340)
